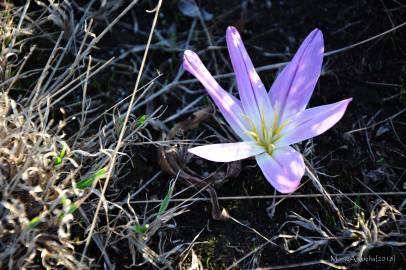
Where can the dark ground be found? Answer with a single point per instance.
(373, 74)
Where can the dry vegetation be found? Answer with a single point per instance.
(89, 141)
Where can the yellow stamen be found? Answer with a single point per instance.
(275, 121)
(265, 137)
(253, 134)
(269, 148)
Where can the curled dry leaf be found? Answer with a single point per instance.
(175, 161)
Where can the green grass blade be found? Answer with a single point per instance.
(141, 229)
(34, 222)
(87, 182)
(58, 159)
(165, 201)
(141, 120)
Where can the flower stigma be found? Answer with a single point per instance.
(266, 137)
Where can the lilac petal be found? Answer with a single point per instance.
(226, 152)
(294, 86)
(283, 169)
(254, 97)
(228, 105)
(313, 122)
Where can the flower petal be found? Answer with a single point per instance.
(283, 169)
(226, 152)
(294, 86)
(228, 105)
(313, 122)
(254, 97)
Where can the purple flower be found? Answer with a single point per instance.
(268, 122)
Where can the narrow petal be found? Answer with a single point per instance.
(226, 152)
(228, 105)
(313, 122)
(294, 86)
(283, 169)
(254, 97)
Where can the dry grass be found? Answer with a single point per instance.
(37, 169)
(47, 177)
